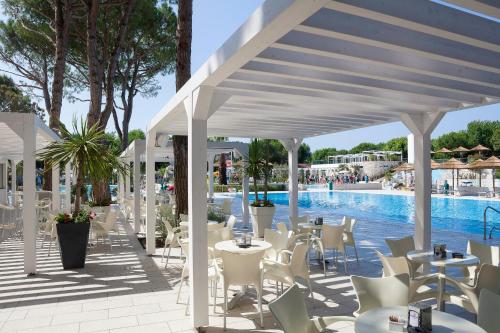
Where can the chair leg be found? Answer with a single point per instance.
(324, 264)
(214, 292)
(168, 255)
(225, 306)
(259, 300)
(50, 246)
(356, 252)
(310, 288)
(164, 249)
(345, 262)
(179, 292)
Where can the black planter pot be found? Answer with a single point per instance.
(73, 240)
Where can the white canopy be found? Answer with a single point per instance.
(318, 67)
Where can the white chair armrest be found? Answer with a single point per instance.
(322, 323)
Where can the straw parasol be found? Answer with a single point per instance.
(491, 163)
(404, 167)
(476, 165)
(453, 164)
(435, 165)
(480, 149)
(444, 150)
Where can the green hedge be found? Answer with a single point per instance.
(260, 187)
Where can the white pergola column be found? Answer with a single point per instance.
(14, 181)
(29, 191)
(150, 194)
(245, 189)
(421, 126)
(210, 158)
(292, 146)
(197, 108)
(56, 194)
(4, 197)
(67, 188)
(137, 189)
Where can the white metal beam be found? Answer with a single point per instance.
(29, 190)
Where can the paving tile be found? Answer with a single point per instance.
(68, 328)
(152, 328)
(134, 310)
(108, 324)
(79, 317)
(22, 324)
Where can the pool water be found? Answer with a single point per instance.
(461, 215)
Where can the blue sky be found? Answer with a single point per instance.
(213, 23)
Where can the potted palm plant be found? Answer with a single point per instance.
(91, 160)
(258, 166)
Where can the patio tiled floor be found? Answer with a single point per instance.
(124, 290)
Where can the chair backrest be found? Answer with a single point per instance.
(487, 254)
(111, 218)
(291, 312)
(298, 263)
(281, 226)
(332, 236)
(213, 237)
(489, 278)
(349, 223)
(231, 221)
(294, 221)
(215, 226)
(381, 292)
(394, 265)
(226, 206)
(278, 240)
(400, 247)
(487, 315)
(184, 217)
(241, 269)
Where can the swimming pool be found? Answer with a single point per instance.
(462, 215)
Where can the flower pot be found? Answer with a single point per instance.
(73, 240)
(262, 218)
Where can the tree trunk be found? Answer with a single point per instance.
(222, 170)
(95, 77)
(182, 75)
(101, 193)
(62, 22)
(47, 179)
(256, 190)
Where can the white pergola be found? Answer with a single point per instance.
(21, 135)
(301, 68)
(163, 152)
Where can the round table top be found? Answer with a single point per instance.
(311, 226)
(377, 321)
(230, 246)
(428, 257)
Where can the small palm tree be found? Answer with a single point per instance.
(253, 166)
(85, 149)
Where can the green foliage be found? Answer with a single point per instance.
(451, 140)
(495, 139)
(481, 132)
(366, 146)
(83, 216)
(85, 149)
(136, 134)
(304, 153)
(12, 99)
(215, 215)
(63, 218)
(397, 144)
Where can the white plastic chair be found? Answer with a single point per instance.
(278, 241)
(231, 221)
(285, 272)
(241, 270)
(487, 255)
(400, 247)
(101, 229)
(291, 313)
(172, 239)
(281, 226)
(419, 291)
(487, 315)
(380, 292)
(212, 274)
(226, 206)
(331, 239)
(349, 224)
(468, 296)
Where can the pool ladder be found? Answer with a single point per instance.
(494, 227)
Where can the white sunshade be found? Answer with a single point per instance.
(302, 68)
(11, 141)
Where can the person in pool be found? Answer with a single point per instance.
(446, 187)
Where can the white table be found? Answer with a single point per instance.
(427, 257)
(230, 246)
(377, 321)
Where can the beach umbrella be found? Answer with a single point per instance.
(404, 168)
(480, 149)
(444, 151)
(435, 165)
(492, 163)
(476, 165)
(453, 164)
(461, 150)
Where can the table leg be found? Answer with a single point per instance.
(441, 288)
(236, 298)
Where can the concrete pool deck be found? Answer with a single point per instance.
(124, 290)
